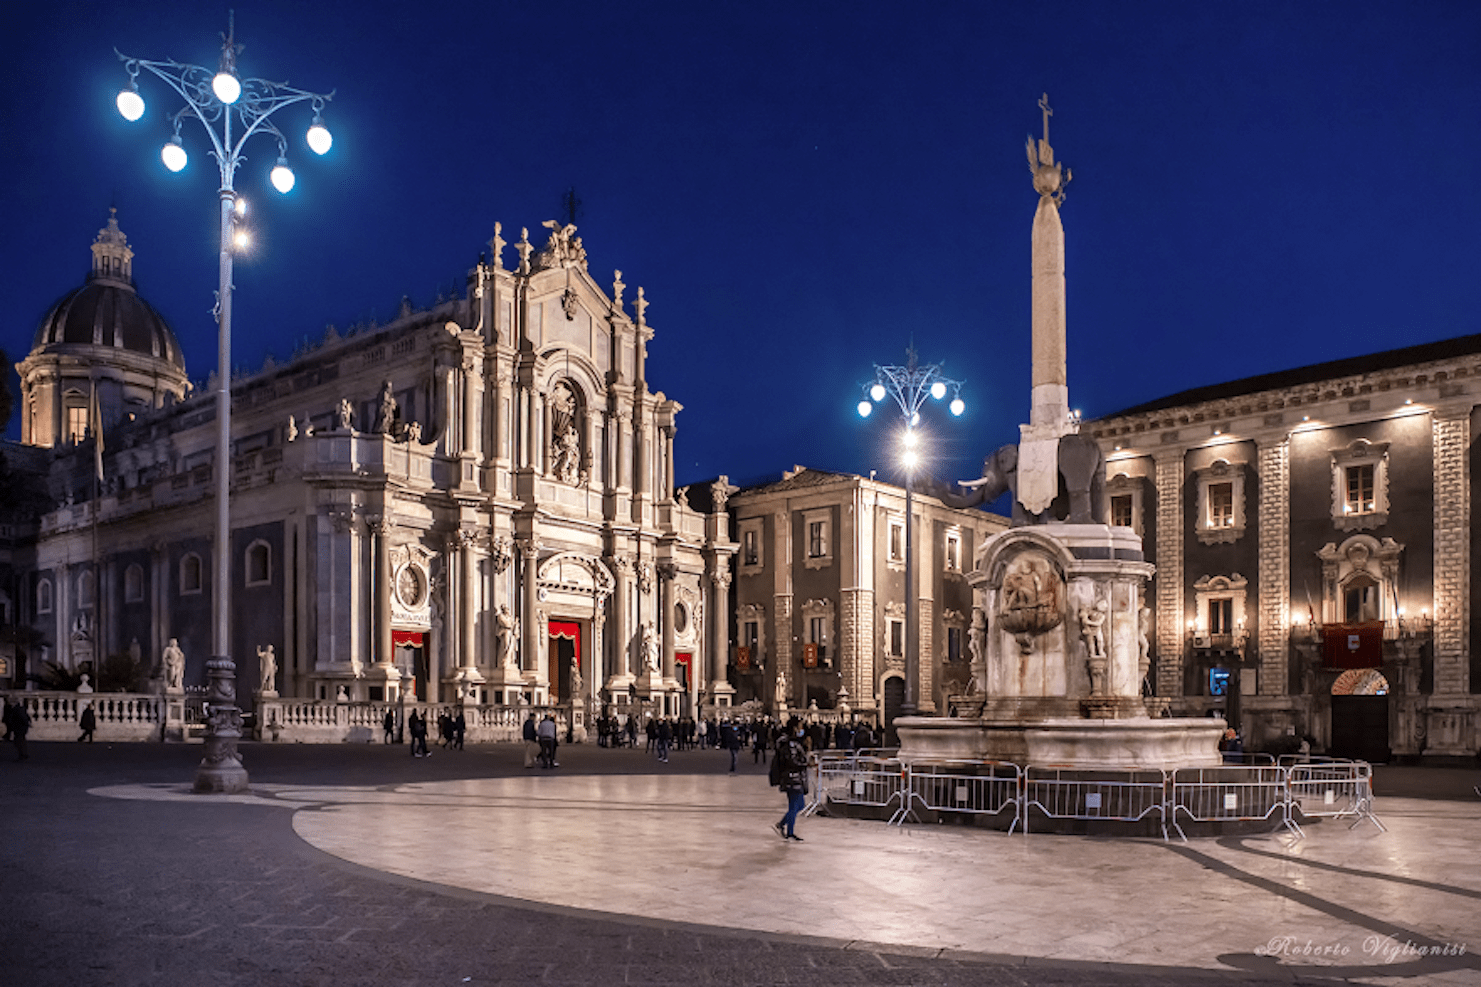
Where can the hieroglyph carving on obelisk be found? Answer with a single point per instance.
(1049, 415)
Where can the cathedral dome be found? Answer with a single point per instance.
(107, 311)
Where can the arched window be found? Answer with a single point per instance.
(259, 564)
(133, 584)
(43, 596)
(85, 590)
(190, 574)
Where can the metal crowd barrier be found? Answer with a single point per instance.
(1333, 790)
(1096, 794)
(1232, 793)
(983, 788)
(852, 779)
(1266, 792)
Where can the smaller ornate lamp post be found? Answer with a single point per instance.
(910, 386)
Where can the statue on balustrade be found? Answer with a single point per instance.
(174, 660)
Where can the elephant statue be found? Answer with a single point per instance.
(1082, 483)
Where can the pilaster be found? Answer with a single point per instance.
(1275, 565)
(1452, 552)
(1169, 587)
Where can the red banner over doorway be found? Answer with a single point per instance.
(1353, 645)
(412, 639)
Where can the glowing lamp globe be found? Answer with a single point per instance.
(909, 460)
(864, 408)
(958, 406)
(173, 155)
(877, 392)
(130, 104)
(938, 390)
(226, 87)
(319, 138)
(282, 177)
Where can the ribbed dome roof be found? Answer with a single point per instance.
(107, 311)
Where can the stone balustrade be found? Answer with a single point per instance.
(122, 716)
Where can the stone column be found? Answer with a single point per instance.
(531, 659)
(1451, 431)
(622, 629)
(470, 409)
(719, 630)
(666, 574)
(380, 528)
(668, 461)
(1169, 576)
(1275, 565)
(468, 675)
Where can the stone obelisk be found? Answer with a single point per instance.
(1049, 410)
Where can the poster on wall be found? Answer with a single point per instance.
(1353, 645)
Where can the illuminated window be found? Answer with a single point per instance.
(953, 551)
(1220, 505)
(1221, 512)
(752, 555)
(897, 541)
(76, 423)
(1360, 490)
(816, 530)
(817, 539)
(1360, 485)
(1121, 514)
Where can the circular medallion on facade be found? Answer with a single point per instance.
(411, 586)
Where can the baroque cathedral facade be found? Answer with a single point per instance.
(473, 502)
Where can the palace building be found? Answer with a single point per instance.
(472, 502)
(1314, 533)
(820, 595)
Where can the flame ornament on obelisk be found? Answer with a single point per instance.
(1049, 414)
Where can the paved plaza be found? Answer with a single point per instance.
(360, 865)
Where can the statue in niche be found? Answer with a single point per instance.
(1092, 629)
(650, 647)
(267, 667)
(385, 415)
(977, 641)
(506, 633)
(291, 432)
(174, 661)
(566, 430)
(575, 682)
(780, 695)
(346, 414)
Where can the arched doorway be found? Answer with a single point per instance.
(1360, 715)
(565, 655)
(894, 702)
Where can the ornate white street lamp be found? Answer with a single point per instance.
(230, 109)
(910, 386)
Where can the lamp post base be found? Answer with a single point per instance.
(221, 771)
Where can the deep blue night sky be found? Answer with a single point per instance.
(801, 188)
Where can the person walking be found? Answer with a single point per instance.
(389, 724)
(20, 725)
(665, 733)
(418, 726)
(789, 773)
(88, 722)
(730, 740)
(547, 732)
(532, 740)
(758, 742)
(460, 729)
(5, 716)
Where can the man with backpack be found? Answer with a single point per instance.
(789, 773)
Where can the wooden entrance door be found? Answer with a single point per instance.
(1360, 728)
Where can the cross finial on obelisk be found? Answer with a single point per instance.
(1044, 105)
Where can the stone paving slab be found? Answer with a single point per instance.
(203, 890)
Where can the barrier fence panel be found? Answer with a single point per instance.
(984, 788)
(863, 781)
(1334, 790)
(1096, 794)
(1232, 793)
